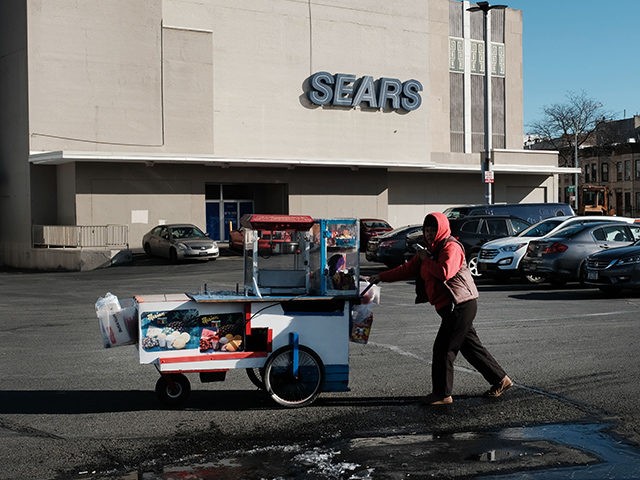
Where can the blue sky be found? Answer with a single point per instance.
(580, 45)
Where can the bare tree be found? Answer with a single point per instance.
(569, 124)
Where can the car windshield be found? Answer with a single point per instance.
(540, 229)
(401, 230)
(187, 232)
(454, 212)
(376, 224)
(570, 231)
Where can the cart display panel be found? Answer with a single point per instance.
(335, 257)
(207, 332)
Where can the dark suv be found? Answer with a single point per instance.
(473, 232)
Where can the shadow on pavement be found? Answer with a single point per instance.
(75, 402)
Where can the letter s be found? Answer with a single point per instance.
(412, 99)
(321, 93)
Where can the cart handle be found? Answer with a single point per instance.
(368, 287)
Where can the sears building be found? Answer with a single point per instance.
(135, 113)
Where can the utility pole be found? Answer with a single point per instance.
(486, 161)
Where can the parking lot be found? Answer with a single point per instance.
(71, 409)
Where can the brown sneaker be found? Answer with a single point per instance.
(432, 399)
(499, 388)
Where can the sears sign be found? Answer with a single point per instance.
(345, 90)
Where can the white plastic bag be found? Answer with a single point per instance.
(109, 303)
(118, 325)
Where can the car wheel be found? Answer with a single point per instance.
(473, 266)
(147, 248)
(173, 256)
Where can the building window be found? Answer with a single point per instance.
(497, 59)
(594, 172)
(587, 178)
(637, 170)
(637, 199)
(456, 54)
(619, 171)
(477, 57)
(627, 169)
(627, 203)
(604, 172)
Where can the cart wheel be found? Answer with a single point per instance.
(173, 389)
(256, 375)
(284, 387)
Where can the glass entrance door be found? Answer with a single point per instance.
(219, 224)
(212, 213)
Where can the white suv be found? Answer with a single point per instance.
(501, 257)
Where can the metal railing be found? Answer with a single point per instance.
(80, 236)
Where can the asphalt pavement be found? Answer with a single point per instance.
(71, 409)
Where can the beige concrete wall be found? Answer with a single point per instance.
(537, 158)
(514, 112)
(260, 72)
(524, 189)
(66, 194)
(412, 195)
(437, 93)
(339, 193)
(95, 74)
(187, 91)
(44, 203)
(104, 76)
(142, 197)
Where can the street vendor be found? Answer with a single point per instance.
(443, 279)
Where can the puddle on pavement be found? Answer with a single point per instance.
(557, 451)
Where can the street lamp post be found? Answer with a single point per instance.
(484, 7)
(576, 164)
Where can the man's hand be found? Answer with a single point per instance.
(375, 279)
(424, 254)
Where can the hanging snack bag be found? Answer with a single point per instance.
(362, 314)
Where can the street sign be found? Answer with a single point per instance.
(488, 176)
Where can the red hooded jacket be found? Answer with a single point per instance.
(448, 261)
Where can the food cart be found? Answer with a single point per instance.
(288, 325)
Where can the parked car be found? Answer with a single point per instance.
(530, 212)
(389, 248)
(615, 269)
(501, 258)
(473, 232)
(371, 227)
(179, 242)
(561, 257)
(269, 242)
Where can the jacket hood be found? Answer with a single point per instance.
(444, 229)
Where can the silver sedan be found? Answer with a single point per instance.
(179, 242)
(561, 257)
